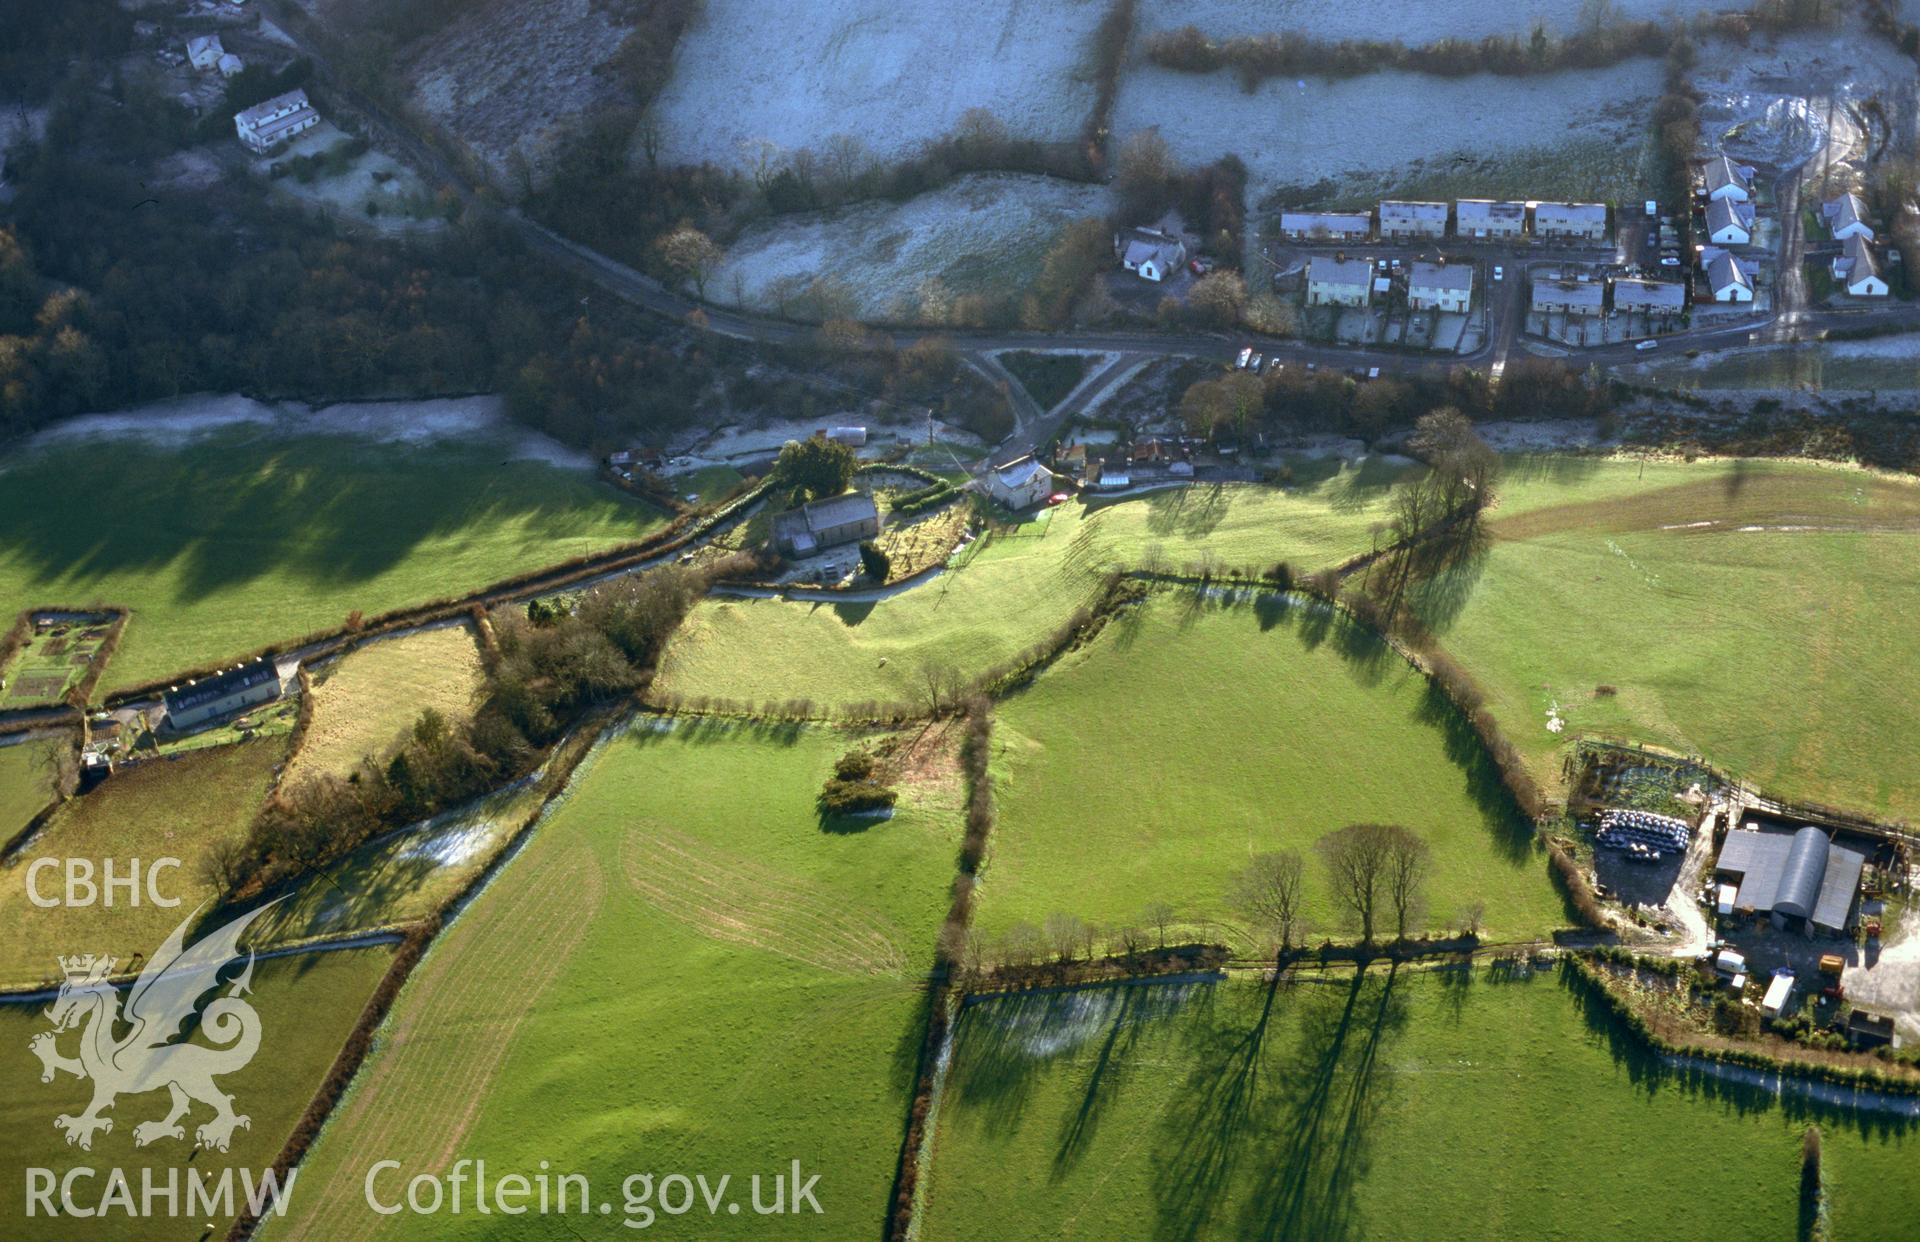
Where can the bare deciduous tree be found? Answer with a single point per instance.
(1356, 859)
(1065, 932)
(1268, 892)
(1159, 916)
(1408, 862)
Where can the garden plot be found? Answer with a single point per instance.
(1291, 134)
(1411, 21)
(987, 233)
(371, 186)
(891, 75)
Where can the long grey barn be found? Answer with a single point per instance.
(240, 687)
(1800, 876)
(825, 523)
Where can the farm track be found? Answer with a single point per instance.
(453, 1028)
(736, 900)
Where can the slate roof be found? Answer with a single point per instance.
(1476, 213)
(1327, 269)
(1720, 214)
(1401, 211)
(1860, 263)
(220, 685)
(1586, 293)
(1648, 295)
(1725, 272)
(1569, 215)
(1333, 223)
(1723, 172)
(1441, 276)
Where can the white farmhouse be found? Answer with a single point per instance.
(1728, 181)
(1440, 286)
(1846, 216)
(230, 65)
(266, 125)
(1020, 484)
(1149, 253)
(204, 52)
(1855, 265)
(1729, 280)
(1336, 281)
(1728, 223)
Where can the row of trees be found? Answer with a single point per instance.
(1601, 37)
(1297, 400)
(1375, 874)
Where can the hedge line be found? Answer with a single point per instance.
(1857, 1076)
(359, 1042)
(558, 576)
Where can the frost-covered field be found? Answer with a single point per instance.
(982, 233)
(1383, 122)
(1410, 21)
(891, 73)
(507, 77)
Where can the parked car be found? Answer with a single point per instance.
(1669, 261)
(1254, 366)
(1373, 372)
(1200, 266)
(1240, 363)
(1499, 272)
(1646, 345)
(1313, 366)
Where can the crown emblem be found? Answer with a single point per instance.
(86, 967)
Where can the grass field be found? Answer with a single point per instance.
(166, 808)
(307, 1005)
(1757, 613)
(1150, 764)
(1013, 591)
(1427, 1105)
(1048, 378)
(681, 972)
(24, 787)
(238, 541)
(376, 692)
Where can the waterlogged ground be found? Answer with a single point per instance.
(1424, 1104)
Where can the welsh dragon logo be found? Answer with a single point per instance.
(159, 1004)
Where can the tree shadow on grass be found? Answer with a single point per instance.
(1007, 1044)
(1302, 1120)
(1513, 837)
(230, 509)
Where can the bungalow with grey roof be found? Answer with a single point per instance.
(1846, 217)
(1582, 220)
(1728, 180)
(1400, 218)
(1729, 223)
(1440, 286)
(1855, 266)
(1485, 217)
(1150, 253)
(1333, 280)
(1729, 281)
(1331, 226)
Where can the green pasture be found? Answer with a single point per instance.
(1015, 590)
(162, 808)
(239, 539)
(683, 971)
(306, 1005)
(1149, 765)
(1755, 613)
(1419, 1105)
(25, 788)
